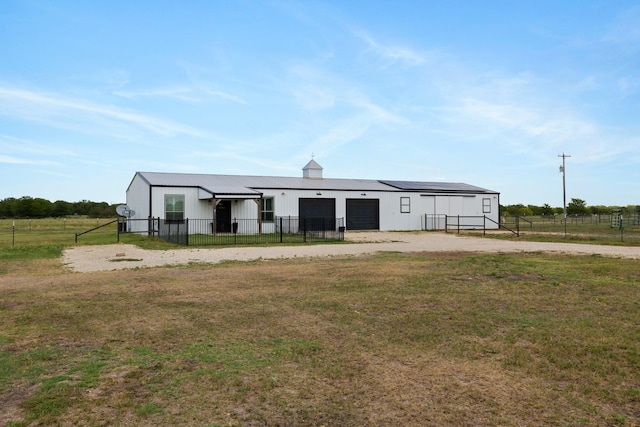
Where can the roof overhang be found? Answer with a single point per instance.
(205, 194)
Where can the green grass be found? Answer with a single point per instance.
(391, 339)
(32, 252)
(61, 232)
(55, 231)
(591, 233)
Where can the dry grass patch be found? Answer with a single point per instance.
(392, 339)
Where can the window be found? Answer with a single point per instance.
(405, 204)
(174, 207)
(267, 209)
(486, 205)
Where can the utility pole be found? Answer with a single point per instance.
(564, 190)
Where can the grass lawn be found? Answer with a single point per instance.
(390, 339)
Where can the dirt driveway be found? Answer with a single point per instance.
(121, 256)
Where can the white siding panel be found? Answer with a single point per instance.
(192, 205)
(138, 197)
(244, 209)
(470, 206)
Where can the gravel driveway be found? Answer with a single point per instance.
(121, 256)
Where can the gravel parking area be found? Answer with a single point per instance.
(122, 256)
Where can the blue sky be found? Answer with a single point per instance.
(483, 92)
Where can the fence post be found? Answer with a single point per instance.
(458, 224)
(280, 229)
(621, 229)
(187, 231)
(304, 230)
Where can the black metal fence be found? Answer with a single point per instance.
(432, 222)
(197, 232)
(607, 220)
(470, 222)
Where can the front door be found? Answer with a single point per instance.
(223, 216)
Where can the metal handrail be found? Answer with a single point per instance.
(95, 228)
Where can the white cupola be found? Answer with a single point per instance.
(312, 170)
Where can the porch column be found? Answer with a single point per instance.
(215, 213)
(259, 203)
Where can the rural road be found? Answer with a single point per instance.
(122, 256)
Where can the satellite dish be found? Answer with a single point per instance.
(124, 210)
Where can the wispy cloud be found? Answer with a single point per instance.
(180, 93)
(20, 161)
(21, 147)
(391, 53)
(375, 113)
(225, 95)
(84, 116)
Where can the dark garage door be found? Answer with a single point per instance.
(320, 214)
(363, 214)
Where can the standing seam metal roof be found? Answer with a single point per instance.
(247, 185)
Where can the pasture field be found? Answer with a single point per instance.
(578, 230)
(386, 340)
(61, 231)
(52, 231)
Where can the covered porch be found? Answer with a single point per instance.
(227, 205)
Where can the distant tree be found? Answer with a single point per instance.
(577, 207)
(99, 210)
(41, 208)
(600, 209)
(512, 209)
(29, 207)
(24, 207)
(9, 207)
(62, 208)
(535, 210)
(82, 207)
(525, 211)
(546, 209)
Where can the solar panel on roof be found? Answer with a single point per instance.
(432, 186)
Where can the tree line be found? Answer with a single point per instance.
(30, 207)
(574, 207)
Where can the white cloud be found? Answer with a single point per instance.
(225, 95)
(180, 93)
(84, 116)
(18, 161)
(392, 53)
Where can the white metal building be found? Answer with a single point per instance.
(363, 204)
